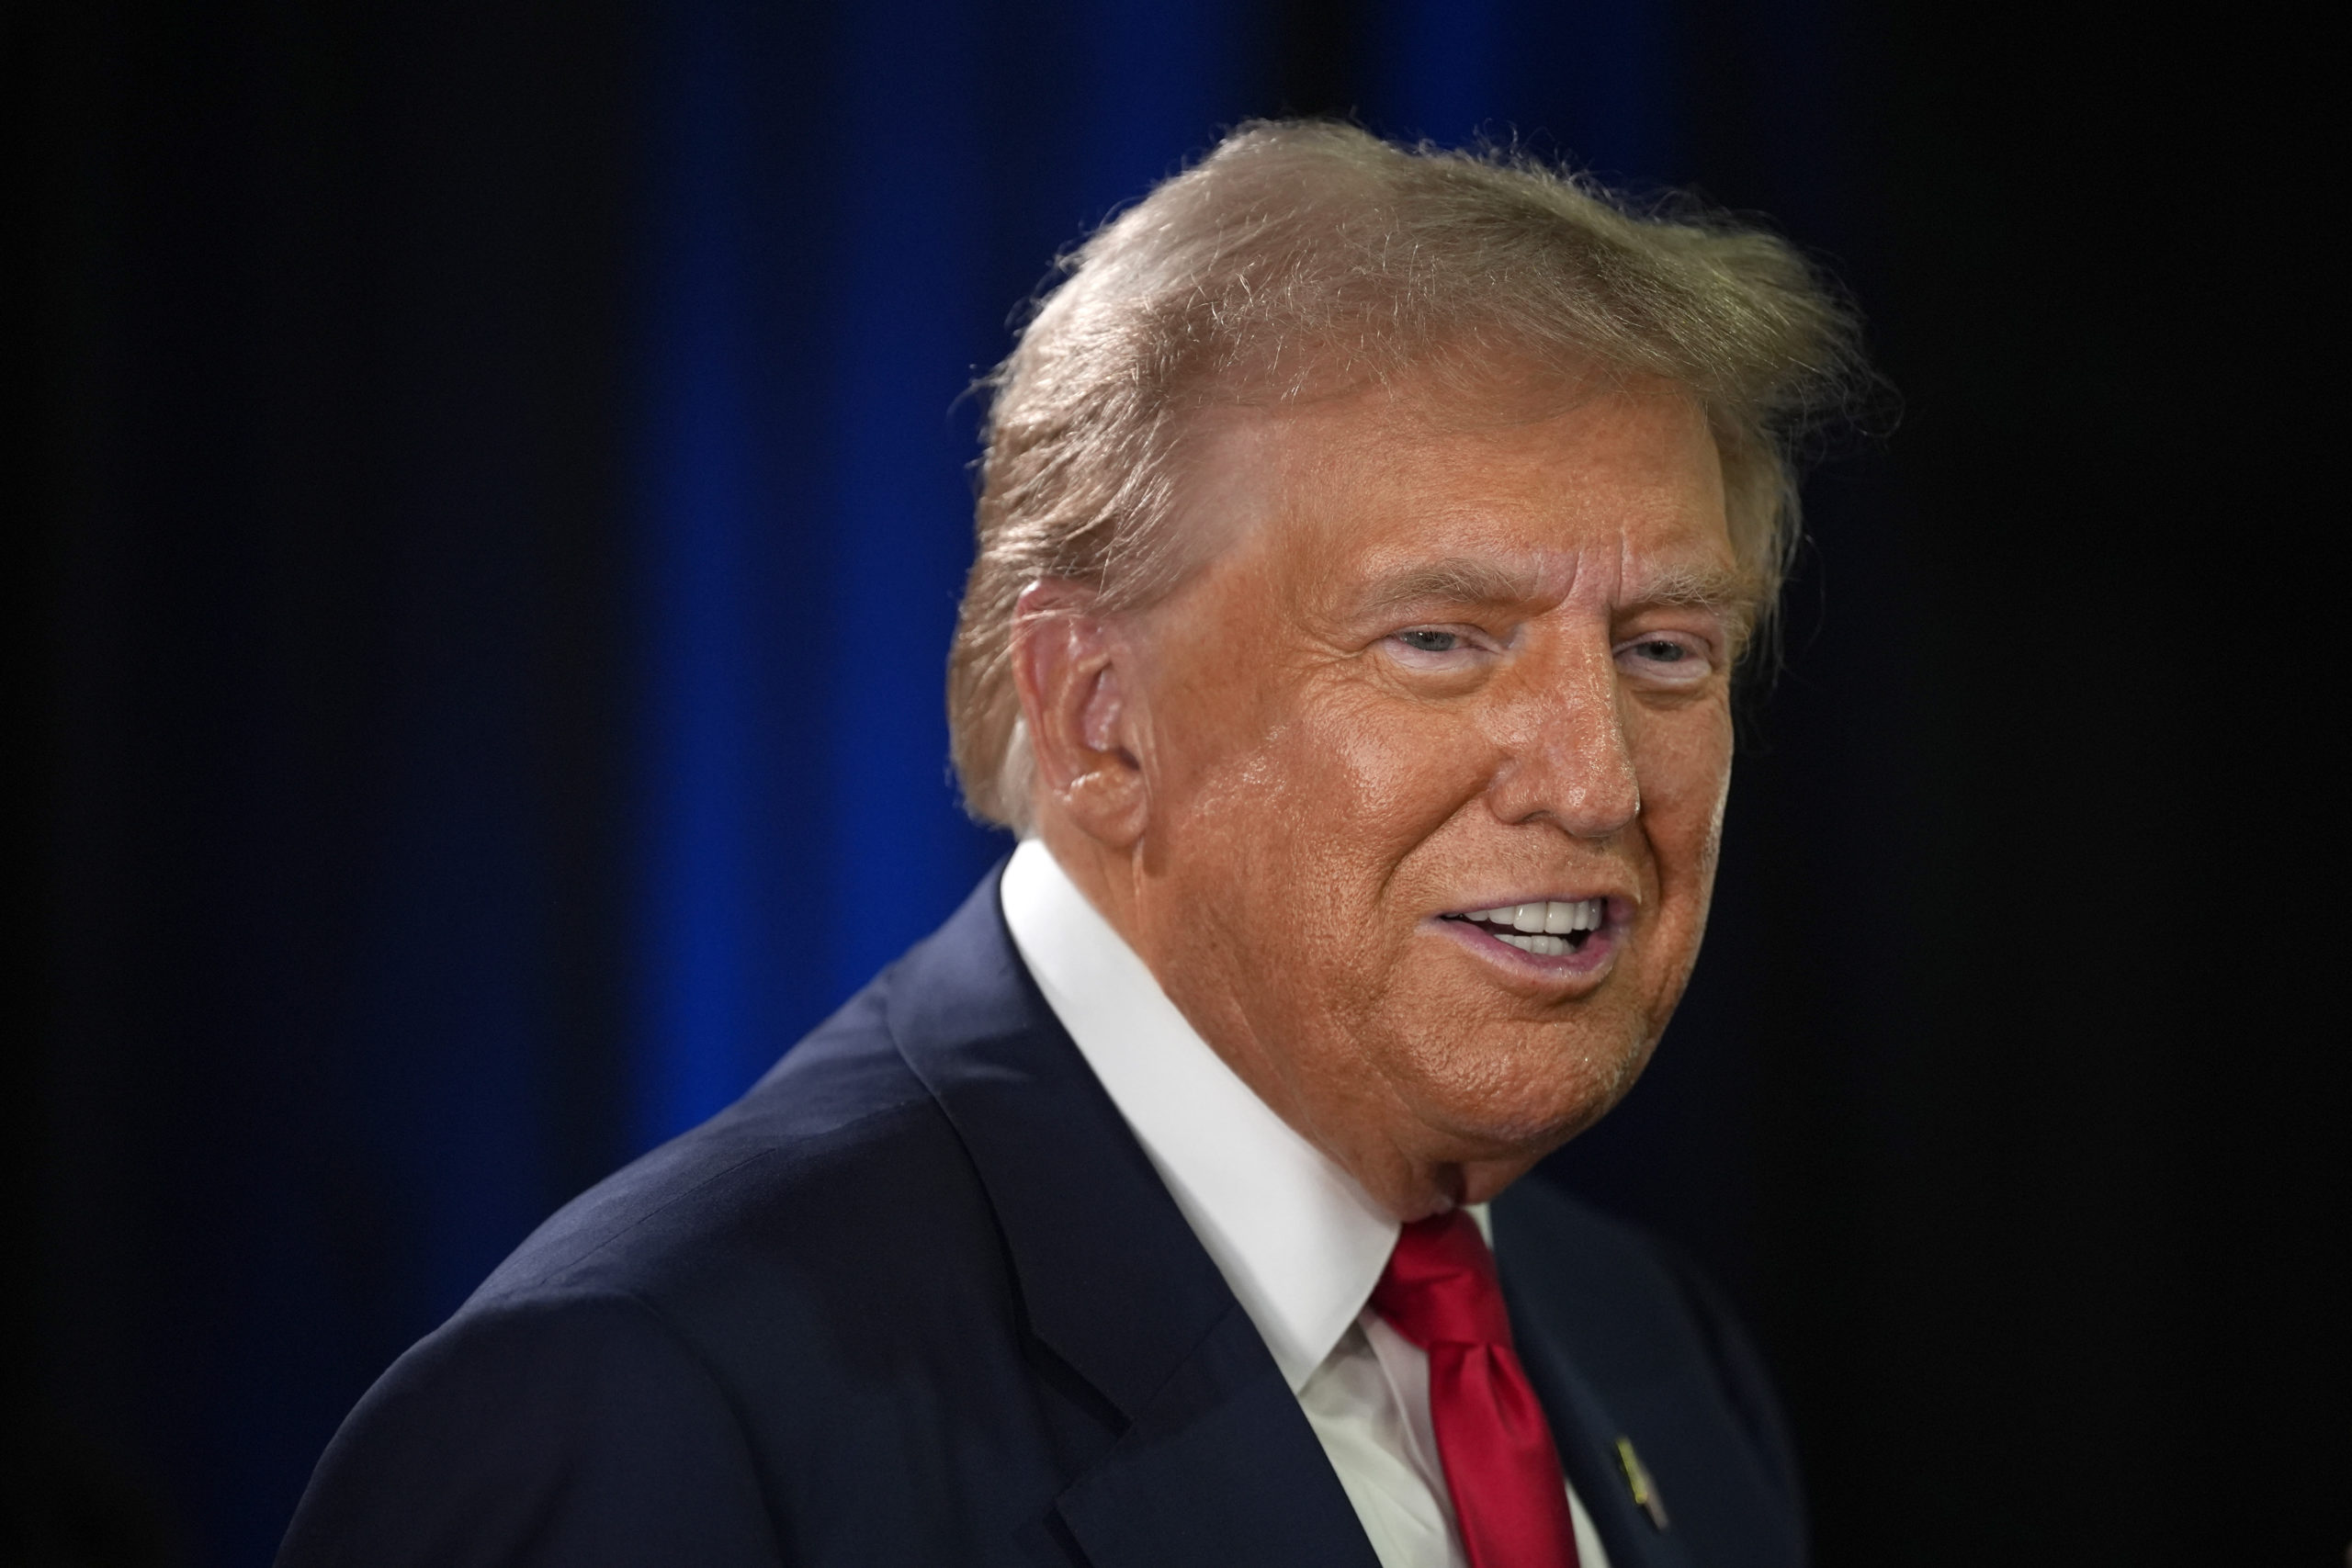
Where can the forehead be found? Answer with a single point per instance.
(1543, 475)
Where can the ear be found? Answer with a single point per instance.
(1075, 675)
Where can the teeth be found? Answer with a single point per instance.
(1556, 918)
(1540, 944)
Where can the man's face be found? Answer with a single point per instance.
(1453, 656)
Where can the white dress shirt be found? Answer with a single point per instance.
(1298, 1241)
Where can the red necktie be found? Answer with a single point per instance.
(1440, 1292)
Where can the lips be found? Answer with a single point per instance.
(1551, 928)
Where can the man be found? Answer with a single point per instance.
(1367, 541)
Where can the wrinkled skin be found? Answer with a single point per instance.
(1278, 782)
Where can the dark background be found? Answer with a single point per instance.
(487, 502)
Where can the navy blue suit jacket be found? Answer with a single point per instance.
(919, 1298)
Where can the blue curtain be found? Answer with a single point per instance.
(842, 218)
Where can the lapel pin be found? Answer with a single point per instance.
(1638, 1482)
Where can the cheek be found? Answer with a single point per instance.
(1373, 780)
(1683, 761)
(1328, 759)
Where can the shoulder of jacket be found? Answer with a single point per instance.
(839, 1152)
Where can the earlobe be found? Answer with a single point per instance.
(1108, 804)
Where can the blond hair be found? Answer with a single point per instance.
(1296, 250)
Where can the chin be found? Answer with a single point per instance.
(1510, 1101)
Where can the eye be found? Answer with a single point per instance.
(1423, 640)
(1666, 659)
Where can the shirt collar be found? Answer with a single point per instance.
(1299, 1243)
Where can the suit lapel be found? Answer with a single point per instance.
(1587, 1435)
(1216, 1463)
(1219, 1468)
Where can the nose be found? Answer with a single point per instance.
(1566, 759)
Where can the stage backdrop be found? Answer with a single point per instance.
(503, 483)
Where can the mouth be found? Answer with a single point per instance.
(1552, 927)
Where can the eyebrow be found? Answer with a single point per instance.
(1461, 580)
(1725, 589)
(1468, 579)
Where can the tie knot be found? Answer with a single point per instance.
(1440, 1285)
